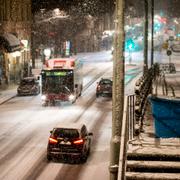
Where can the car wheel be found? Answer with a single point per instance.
(84, 156)
(88, 152)
(52, 103)
(44, 104)
(81, 91)
(37, 92)
(49, 158)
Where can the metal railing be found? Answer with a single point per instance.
(134, 110)
(143, 88)
(127, 133)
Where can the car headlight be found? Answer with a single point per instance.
(43, 97)
(71, 97)
(34, 88)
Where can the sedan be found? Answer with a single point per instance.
(28, 86)
(104, 87)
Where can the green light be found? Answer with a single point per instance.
(60, 73)
(129, 44)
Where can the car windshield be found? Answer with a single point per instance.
(66, 133)
(27, 82)
(106, 81)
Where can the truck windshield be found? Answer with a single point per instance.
(57, 82)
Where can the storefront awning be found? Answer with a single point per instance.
(10, 42)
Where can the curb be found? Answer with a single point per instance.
(7, 99)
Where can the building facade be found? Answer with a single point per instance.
(15, 35)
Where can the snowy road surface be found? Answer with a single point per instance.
(25, 126)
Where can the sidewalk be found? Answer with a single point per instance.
(11, 92)
(8, 94)
(152, 157)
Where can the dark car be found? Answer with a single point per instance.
(28, 86)
(104, 87)
(69, 142)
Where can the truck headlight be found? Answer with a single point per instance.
(43, 97)
(71, 97)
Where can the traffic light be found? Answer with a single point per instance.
(129, 44)
(157, 26)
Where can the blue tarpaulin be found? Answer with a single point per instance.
(166, 114)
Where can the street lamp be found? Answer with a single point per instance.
(47, 53)
(56, 12)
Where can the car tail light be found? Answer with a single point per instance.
(79, 141)
(53, 140)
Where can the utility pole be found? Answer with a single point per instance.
(145, 67)
(152, 32)
(33, 56)
(118, 89)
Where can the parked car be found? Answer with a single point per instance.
(69, 142)
(104, 87)
(28, 86)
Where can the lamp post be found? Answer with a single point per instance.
(152, 32)
(145, 68)
(118, 89)
(33, 52)
(47, 54)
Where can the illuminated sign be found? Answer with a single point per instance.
(67, 45)
(59, 73)
(59, 63)
(24, 42)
